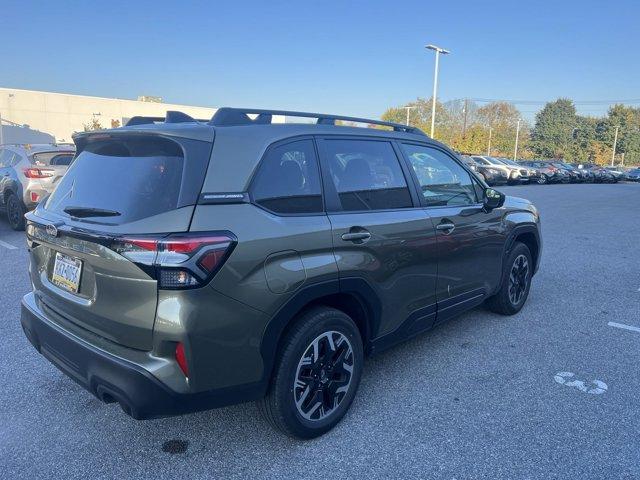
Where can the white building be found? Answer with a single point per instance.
(29, 116)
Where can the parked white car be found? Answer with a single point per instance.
(515, 173)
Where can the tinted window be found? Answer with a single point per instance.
(137, 178)
(288, 180)
(367, 175)
(443, 181)
(64, 159)
(52, 158)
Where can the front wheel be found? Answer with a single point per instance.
(542, 179)
(516, 282)
(316, 375)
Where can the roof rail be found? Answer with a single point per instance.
(227, 116)
(172, 116)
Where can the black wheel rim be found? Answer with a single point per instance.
(13, 212)
(323, 376)
(518, 279)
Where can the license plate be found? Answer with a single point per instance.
(66, 272)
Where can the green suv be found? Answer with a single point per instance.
(182, 265)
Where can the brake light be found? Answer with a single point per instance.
(34, 197)
(37, 173)
(181, 358)
(180, 260)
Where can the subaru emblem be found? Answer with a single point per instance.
(52, 230)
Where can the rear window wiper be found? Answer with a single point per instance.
(90, 212)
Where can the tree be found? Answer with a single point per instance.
(627, 119)
(553, 134)
(94, 124)
(420, 116)
(503, 118)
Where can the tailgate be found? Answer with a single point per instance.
(119, 185)
(115, 298)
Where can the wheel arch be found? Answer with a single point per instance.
(530, 236)
(353, 296)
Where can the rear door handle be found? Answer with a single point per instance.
(356, 236)
(446, 227)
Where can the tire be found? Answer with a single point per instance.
(15, 212)
(300, 372)
(542, 180)
(510, 298)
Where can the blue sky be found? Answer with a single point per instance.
(354, 58)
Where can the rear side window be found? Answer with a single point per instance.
(288, 181)
(367, 175)
(133, 177)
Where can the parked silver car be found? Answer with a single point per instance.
(29, 173)
(515, 173)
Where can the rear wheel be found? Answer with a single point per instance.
(316, 375)
(516, 282)
(15, 212)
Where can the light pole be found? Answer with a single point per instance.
(615, 142)
(515, 150)
(408, 110)
(489, 144)
(438, 51)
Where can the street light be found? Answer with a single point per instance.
(515, 150)
(489, 144)
(438, 51)
(408, 110)
(615, 143)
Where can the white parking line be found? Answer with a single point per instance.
(7, 245)
(624, 327)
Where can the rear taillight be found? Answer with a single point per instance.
(181, 358)
(179, 260)
(34, 197)
(37, 173)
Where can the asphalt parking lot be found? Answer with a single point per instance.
(551, 392)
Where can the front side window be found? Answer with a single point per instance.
(443, 182)
(288, 181)
(366, 175)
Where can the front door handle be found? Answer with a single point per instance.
(446, 227)
(356, 236)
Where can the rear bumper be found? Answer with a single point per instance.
(112, 378)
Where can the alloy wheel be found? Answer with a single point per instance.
(323, 376)
(518, 279)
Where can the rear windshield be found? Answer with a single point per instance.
(46, 159)
(129, 179)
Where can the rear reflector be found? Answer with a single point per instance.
(34, 197)
(182, 359)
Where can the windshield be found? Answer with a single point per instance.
(510, 162)
(46, 159)
(481, 161)
(494, 161)
(134, 178)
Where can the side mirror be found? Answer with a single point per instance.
(492, 199)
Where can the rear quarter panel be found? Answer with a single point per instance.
(275, 255)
